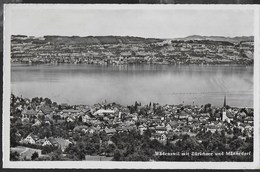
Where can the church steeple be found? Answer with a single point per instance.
(224, 113)
(224, 102)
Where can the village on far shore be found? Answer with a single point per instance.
(124, 50)
(44, 130)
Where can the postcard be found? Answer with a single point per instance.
(131, 86)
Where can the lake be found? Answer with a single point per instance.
(165, 84)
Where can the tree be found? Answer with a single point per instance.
(46, 149)
(34, 156)
(143, 111)
(236, 143)
(147, 133)
(136, 105)
(236, 131)
(103, 136)
(14, 156)
(110, 148)
(131, 109)
(185, 137)
(80, 119)
(137, 156)
(48, 101)
(56, 155)
(12, 99)
(118, 155)
(35, 100)
(54, 104)
(208, 134)
(14, 138)
(222, 133)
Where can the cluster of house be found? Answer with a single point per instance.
(162, 52)
(51, 141)
(113, 118)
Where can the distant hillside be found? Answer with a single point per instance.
(121, 50)
(99, 39)
(92, 40)
(218, 38)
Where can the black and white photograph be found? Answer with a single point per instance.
(125, 83)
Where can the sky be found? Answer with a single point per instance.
(149, 23)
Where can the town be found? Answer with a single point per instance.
(116, 50)
(43, 130)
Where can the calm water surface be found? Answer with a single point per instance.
(89, 84)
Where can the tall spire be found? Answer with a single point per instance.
(224, 101)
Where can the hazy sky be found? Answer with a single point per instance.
(167, 23)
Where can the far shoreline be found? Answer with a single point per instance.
(137, 64)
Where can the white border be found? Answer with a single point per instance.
(124, 165)
(256, 86)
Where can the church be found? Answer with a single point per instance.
(224, 112)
